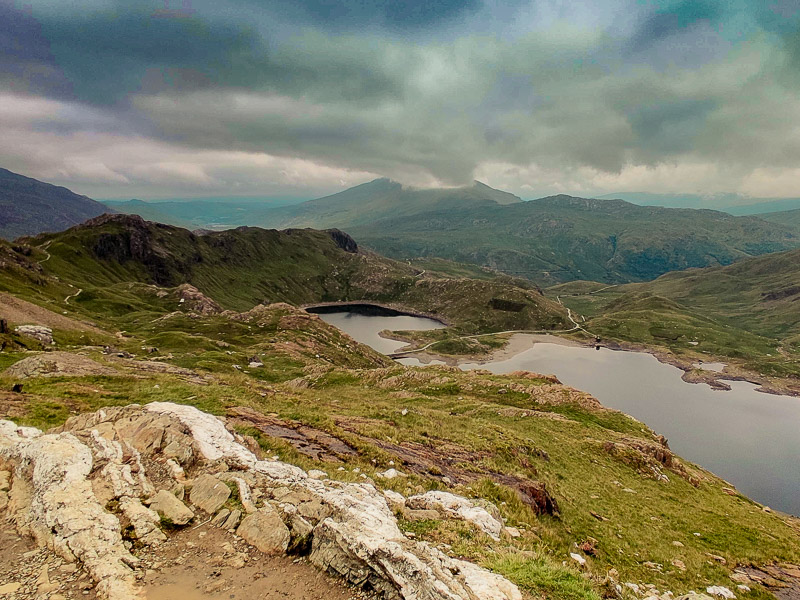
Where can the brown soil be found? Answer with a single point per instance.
(207, 563)
(20, 312)
(23, 563)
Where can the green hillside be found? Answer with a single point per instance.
(113, 259)
(383, 200)
(569, 475)
(564, 238)
(748, 311)
(29, 206)
(550, 240)
(787, 218)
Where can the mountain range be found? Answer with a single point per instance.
(548, 241)
(29, 206)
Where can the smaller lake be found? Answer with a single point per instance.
(366, 328)
(750, 438)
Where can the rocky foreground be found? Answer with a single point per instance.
(110, 483)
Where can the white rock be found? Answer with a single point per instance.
(60, 510)
(578, 559)
(212, 438)
(720, 591)
(38, 332)
(460, 508)
(353, 531)
(317, 474)
(393, 498)
(390, 474)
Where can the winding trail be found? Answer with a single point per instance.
(75, 295)
(44, 248)
(572, 320)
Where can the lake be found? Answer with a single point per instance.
(366, 328)
(747, 437)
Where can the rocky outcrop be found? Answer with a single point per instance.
(83, 491)
(52, 499)
(343, 240)
(57, 364)
(37, 332)
(196, 301)
(650, 459)
(461, 508)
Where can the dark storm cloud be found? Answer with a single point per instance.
(675, 19)
(400, 15)
(431, 89)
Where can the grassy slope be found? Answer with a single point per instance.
(378, 200)
(245, 267)
(789, 218)
(748, 311)
(562, 239)
(560, 442)
(28, 206)
(449, 407)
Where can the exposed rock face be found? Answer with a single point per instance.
(650, 459)
(169, 507)
(343, 240)
(52, 499)
(195, 300)
(460, 508)
(63, 484)
(37, 332)
(209, 493)
(57, 364)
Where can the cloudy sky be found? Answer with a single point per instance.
(131, 98)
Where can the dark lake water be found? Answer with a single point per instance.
(747, 437)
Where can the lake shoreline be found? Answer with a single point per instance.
(519, 342)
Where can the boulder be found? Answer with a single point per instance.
(57, 364)
(145, 521)
(233, 520)
(37, 332)
(265, 530)
(209, 493)
(170, 508)
(347, 529)
(460, 508)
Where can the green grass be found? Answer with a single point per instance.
(359, 396)
(542, 575)
(746, 313)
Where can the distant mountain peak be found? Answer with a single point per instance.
(30, 207)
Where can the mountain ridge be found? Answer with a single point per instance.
(29, 206)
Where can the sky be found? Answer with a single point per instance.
(180, 98)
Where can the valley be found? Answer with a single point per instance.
(548, 240)
(212, 321)
(756, 454)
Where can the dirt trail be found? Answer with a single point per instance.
(36, 572)
(206, 563)
(21, 312)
